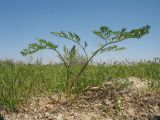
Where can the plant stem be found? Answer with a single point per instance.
(86, 64)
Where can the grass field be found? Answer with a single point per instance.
(19, 82)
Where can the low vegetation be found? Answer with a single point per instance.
(19, 82)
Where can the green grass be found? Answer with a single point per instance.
(20, 82)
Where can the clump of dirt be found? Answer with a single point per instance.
(96, 103)
(138, 84)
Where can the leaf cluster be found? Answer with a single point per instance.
(70, 35)
(111, 36)
(41, 44)
(69, 54)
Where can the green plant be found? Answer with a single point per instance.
(110, 40)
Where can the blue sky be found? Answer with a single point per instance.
(22, 21)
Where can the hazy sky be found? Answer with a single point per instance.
(21, 21)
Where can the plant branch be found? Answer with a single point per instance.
(61, 57)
